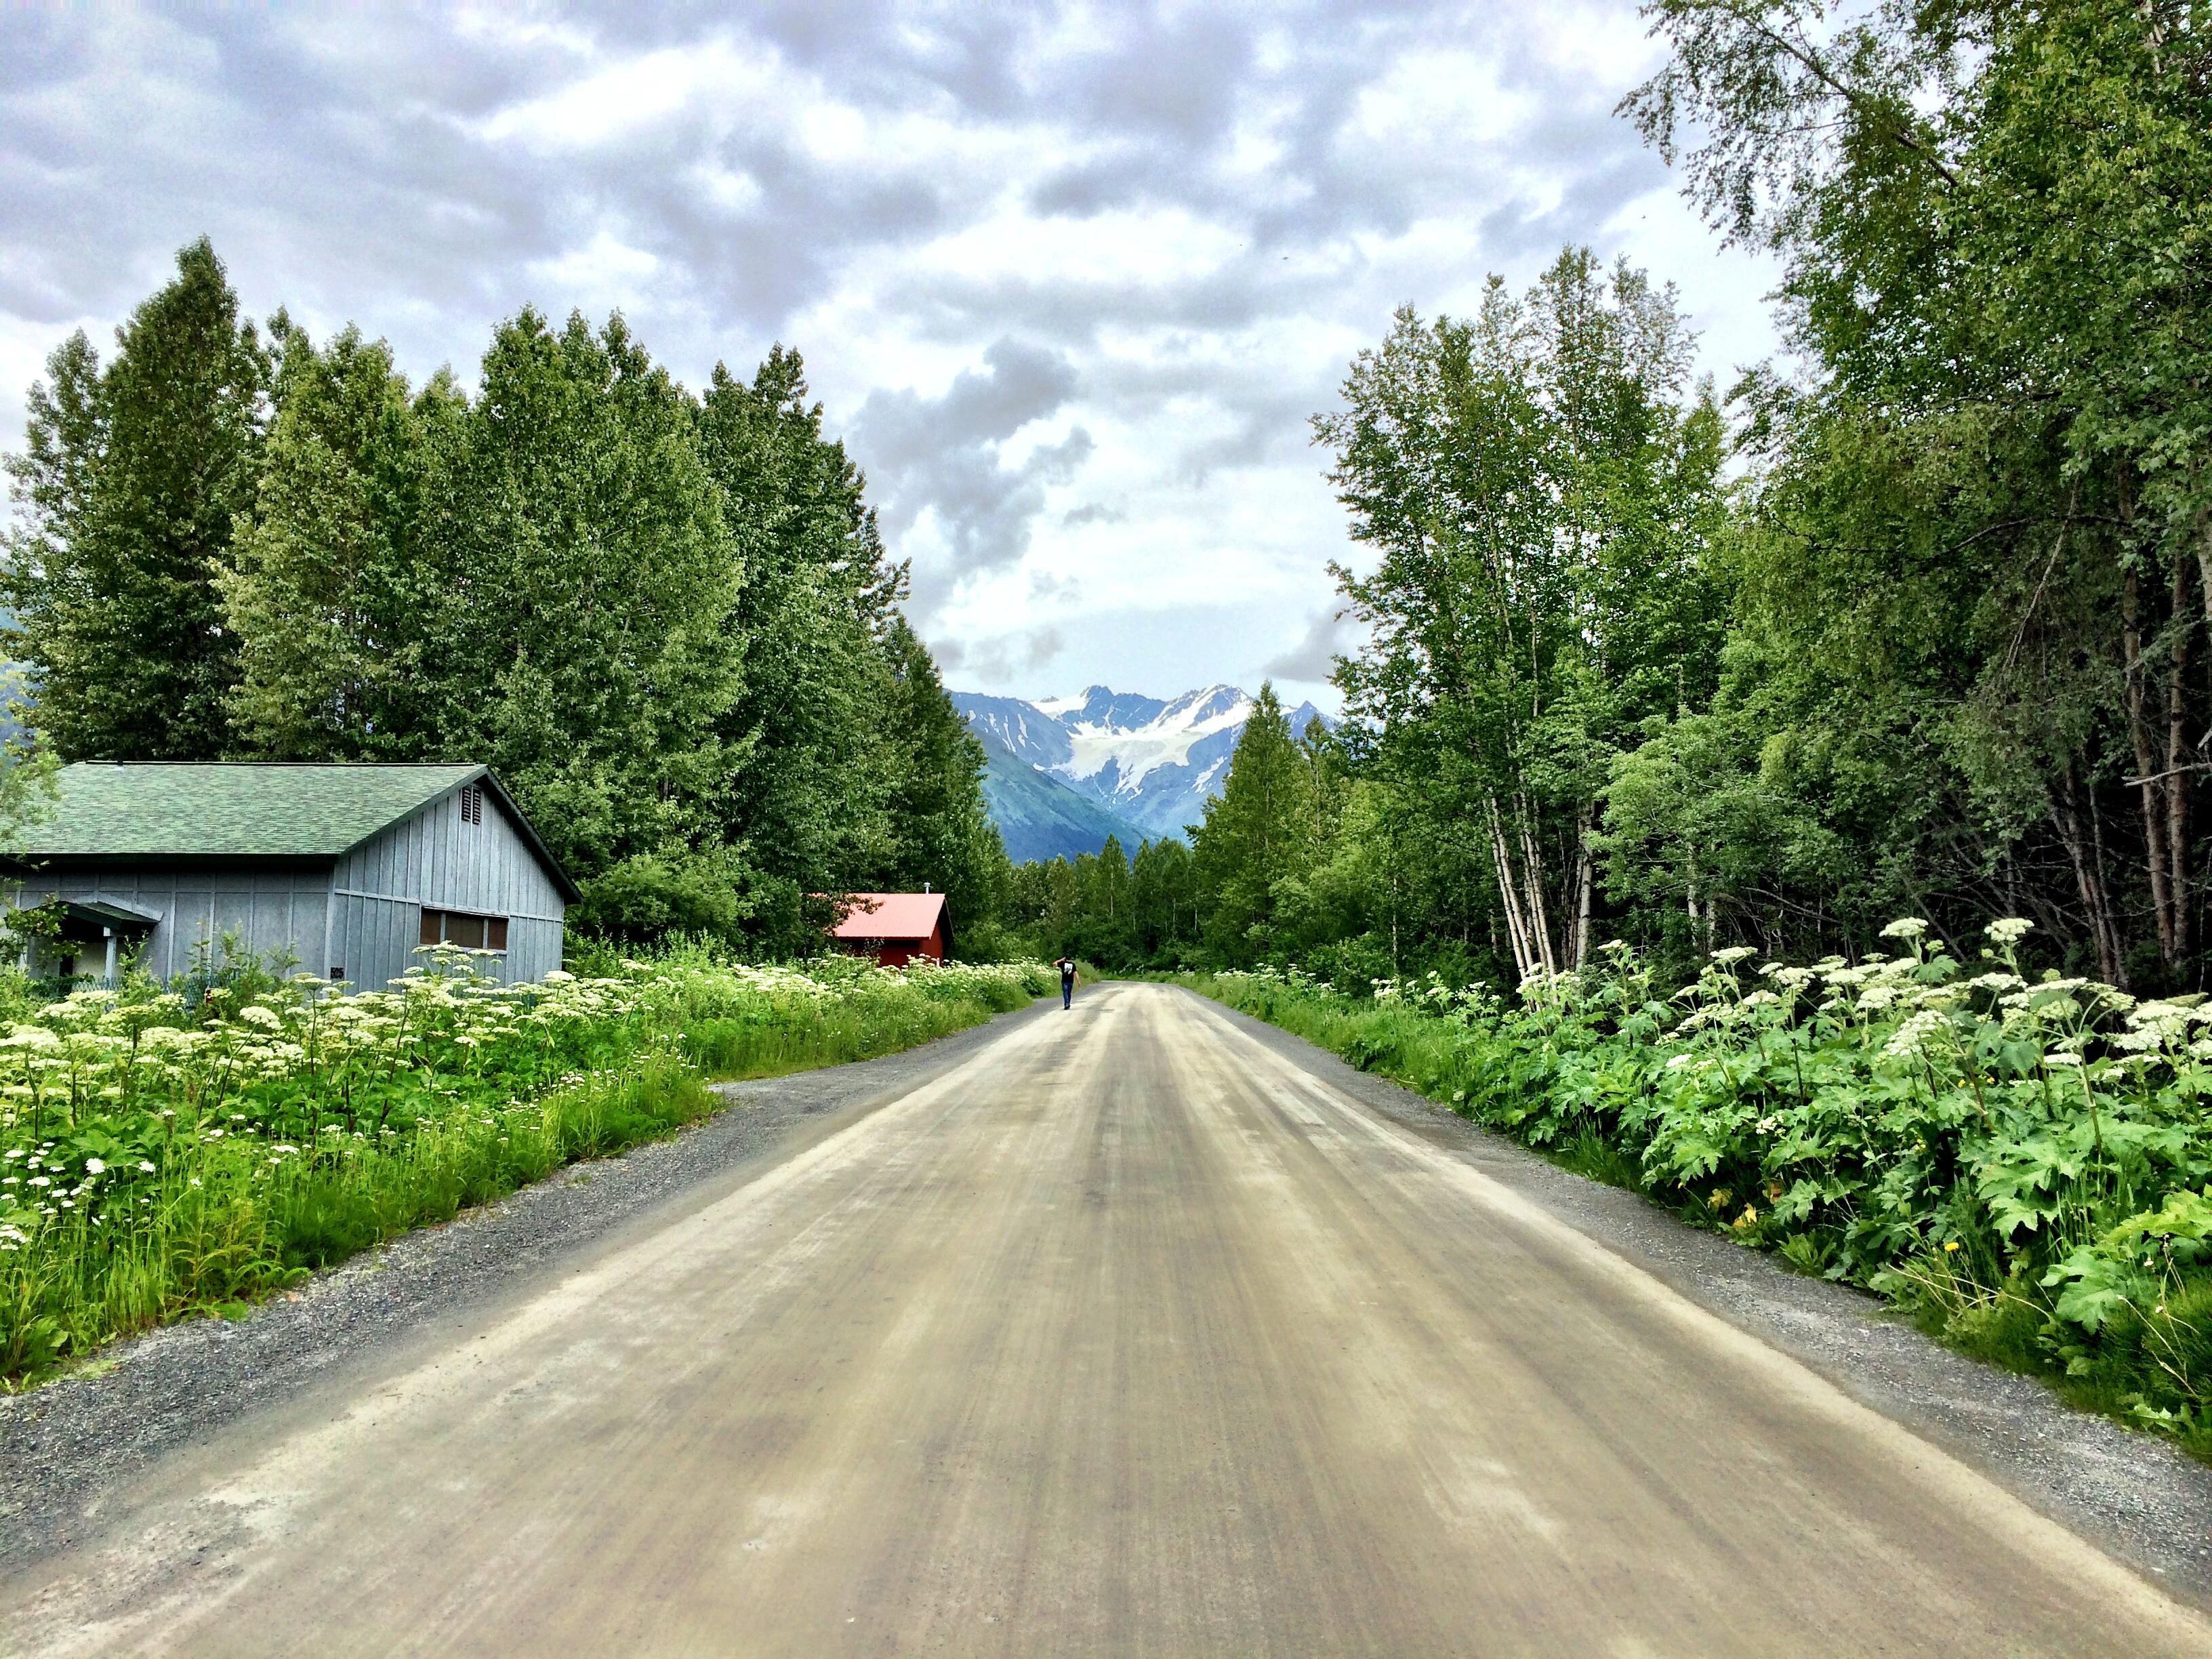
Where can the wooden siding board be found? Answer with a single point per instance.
(361, 912)
(269, 910)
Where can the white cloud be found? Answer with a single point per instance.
(1069, 280)
(621, 98)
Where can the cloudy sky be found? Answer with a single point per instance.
(1069, 281)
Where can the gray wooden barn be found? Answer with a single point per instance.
(347, 868)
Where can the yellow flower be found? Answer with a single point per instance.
(1950, 1244)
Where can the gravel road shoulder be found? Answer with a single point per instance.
(2137, 1498)
(67, 1448)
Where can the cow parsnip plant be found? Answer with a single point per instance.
(2025, 1163)
(160, 1156)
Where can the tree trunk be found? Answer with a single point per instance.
(1509, 894)
(1585, 878)
(1532, 872)
(1699, 935)
(2083, 853)
(2159, 862)
(2204, 565)
(2179, 770)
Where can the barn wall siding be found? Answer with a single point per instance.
(436, 858)
(360, 917)
(268, 908)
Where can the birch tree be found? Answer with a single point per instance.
(1537, 484)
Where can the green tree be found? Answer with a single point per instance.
(1990, 501)
(131, 481)
(1257, 833)
(583, 647)
(807, 792)
(1107, 929)
(334, 600)
(946, 838)
(1163, 902)
(1541, 493)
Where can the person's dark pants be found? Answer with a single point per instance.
(1066, 995)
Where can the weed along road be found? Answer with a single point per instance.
(1125, 1333)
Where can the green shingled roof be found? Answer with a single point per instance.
(246, 809)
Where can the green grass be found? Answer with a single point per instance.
(732, 1049)
(200, 1191)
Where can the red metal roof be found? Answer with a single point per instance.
(891, 916)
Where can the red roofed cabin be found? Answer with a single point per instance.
(896, 927)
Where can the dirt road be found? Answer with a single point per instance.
(1125, 1335)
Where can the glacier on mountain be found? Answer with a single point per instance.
(1154, 762)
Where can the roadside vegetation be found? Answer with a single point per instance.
(2023, 1163)
(663, 614)
(171, 1151)
(1911, 620)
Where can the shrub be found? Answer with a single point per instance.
(172, 1151)
(2026, 1163)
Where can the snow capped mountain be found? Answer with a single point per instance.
(1151, 761)
(1098, 706)
(1023, 730)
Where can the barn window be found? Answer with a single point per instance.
(472, 803)
(472, 932)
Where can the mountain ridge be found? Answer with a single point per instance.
(1153, 762)
(1039, 816)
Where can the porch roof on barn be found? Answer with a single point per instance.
(889, 916)
(246, 809)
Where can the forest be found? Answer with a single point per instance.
(665, 619)
(1908, 622)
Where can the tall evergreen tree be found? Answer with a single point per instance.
(133, 479)
(585, 648)
(946, 836)
(1257, 832)
(806, 794)
(329, 599)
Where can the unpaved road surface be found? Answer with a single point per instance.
(1126, 1334)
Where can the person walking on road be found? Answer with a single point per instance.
(1066, 966)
